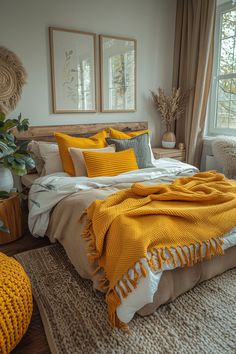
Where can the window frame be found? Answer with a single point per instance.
(212, 107)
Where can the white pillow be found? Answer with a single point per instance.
(78, 158)
(51, 157)
(152, 156)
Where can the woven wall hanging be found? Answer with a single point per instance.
(12, 79)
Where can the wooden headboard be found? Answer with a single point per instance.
(46, 132)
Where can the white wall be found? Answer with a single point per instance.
(24, 30)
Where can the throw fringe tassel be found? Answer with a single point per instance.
(183, 255)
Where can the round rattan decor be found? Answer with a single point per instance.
(12, 79)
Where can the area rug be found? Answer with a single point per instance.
(75, 319)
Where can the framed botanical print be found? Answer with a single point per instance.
(118, 74)
(73, 70)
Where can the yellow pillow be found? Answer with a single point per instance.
(67, 141)
(117, 134)
(109, 163)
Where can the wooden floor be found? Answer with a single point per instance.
(34, 341)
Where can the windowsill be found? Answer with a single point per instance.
(211, 137)
(208, 139)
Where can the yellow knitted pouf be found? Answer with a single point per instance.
(16, 303)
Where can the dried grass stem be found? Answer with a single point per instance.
(170, 107)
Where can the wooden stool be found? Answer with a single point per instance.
(11, 215)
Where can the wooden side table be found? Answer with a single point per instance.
(11, 215)
(173, 153)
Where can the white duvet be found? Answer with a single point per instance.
(60, 185)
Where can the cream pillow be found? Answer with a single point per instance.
(39, 151)
(51, 157)
(78, 158)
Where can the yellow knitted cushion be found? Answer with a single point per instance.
(117, 134)
(16, 303)
(66, 141)
(109, 163)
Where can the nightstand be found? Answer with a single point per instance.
(173, 153)
(11, 216)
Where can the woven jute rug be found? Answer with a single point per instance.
(75, 318)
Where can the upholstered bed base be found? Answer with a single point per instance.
(176, 282)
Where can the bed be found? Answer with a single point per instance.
(62, 208)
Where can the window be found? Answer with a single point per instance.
(222, 104)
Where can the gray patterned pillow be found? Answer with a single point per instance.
(141, 146)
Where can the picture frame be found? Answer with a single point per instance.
(73, 70)
(118, 73)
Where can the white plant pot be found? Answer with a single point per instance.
(168, 144)
(6, 179)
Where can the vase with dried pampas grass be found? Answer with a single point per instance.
(171, 108)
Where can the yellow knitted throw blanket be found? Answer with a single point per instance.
(157, 219)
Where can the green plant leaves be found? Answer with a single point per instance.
(19, 163)
(5, 150)
(9, 124)
(13, 154)
(9, 137)
(22, 124)
(16, 167)
(26, 159)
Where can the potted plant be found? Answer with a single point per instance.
(13, 154)
(171, 108)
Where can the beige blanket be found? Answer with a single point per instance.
(65, 227)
